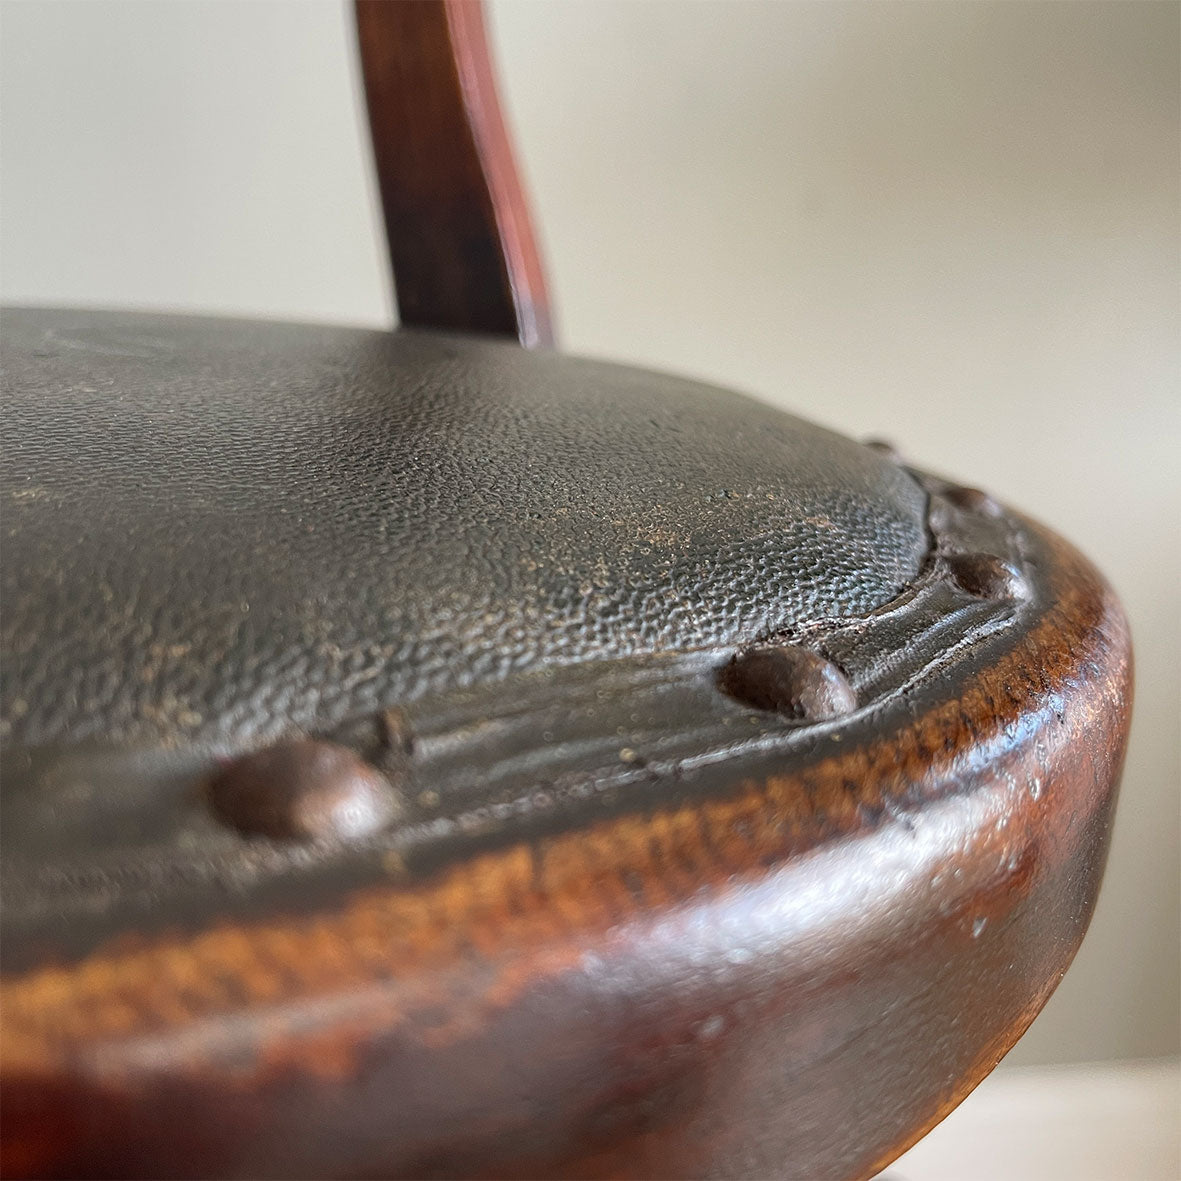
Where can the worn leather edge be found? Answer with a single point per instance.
(547, 751)
(1039, 721)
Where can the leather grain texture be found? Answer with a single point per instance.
(630, 906)
(219, 531)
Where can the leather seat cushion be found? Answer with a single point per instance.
(217, 531)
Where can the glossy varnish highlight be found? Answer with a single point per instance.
(801, 974)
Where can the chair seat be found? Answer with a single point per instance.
(329, 522)
(696, 767)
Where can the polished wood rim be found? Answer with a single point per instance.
(879, 920)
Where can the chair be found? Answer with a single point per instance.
(429, 755)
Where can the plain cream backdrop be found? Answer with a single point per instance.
(954, 224)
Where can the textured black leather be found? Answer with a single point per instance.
(218, 531)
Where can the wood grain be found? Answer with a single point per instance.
(461, 242)
(797, 977)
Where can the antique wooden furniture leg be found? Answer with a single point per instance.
(428, 758)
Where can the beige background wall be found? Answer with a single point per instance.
(955, 224)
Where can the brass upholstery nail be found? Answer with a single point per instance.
(987, 576)
(885, 448)
(304, 789)
(974, 500)
(790, 680)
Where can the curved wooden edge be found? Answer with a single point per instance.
(462, 247)
(813, 968)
